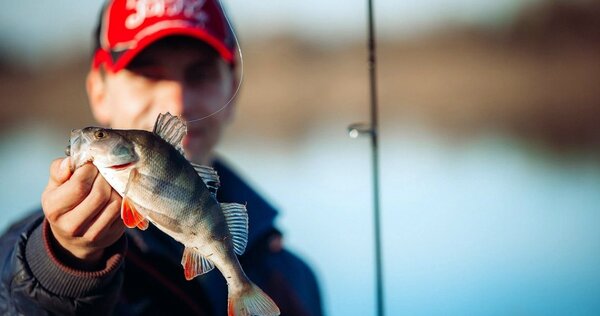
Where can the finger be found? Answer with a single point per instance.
(68, 195)
(59, 172)
(108, 222)
(86, 173)
(86, 212)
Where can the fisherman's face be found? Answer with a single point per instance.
(179, 75)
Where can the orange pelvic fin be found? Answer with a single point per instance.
(143, 225)
(131, 217)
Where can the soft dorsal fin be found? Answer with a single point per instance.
(209, 176)
(171, 128)
(236, 217)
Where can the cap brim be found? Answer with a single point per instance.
(125, 57)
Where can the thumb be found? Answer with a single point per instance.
(60, 171)
(65, 166)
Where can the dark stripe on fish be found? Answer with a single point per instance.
(165, 189)
(165, 221)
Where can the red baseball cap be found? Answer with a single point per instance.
(128, 26)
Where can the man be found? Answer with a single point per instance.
(76, 257)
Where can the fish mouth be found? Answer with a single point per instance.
(78, 143)
(123, 166)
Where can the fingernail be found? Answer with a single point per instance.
(64, 165)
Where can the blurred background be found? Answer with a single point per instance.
(490, 142)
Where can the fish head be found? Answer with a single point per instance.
(104, 147)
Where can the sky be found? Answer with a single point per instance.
(34, 28)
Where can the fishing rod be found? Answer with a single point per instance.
(372, 130)
(239, 59)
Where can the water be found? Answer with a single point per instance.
(486, 227)
(25, 157)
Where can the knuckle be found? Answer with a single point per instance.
(97, 197)
(46, 194)
(44, 200)
(93, 237)
(48, 208)
(51, 216)
(115, 196)
(80, 189)
(70, 230)
(115, 204)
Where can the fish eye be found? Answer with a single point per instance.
(99, 134)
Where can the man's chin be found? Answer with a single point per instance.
(195, 151)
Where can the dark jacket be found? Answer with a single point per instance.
(142, 274)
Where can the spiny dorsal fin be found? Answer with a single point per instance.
(236, 217)
(171, 128)
(209, 176)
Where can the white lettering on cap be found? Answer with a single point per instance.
(144, 9)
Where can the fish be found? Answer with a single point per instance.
(159, 186)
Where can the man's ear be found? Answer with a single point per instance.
(96, 91)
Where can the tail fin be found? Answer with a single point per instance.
(251, 301)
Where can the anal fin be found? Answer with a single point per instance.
(194, 263)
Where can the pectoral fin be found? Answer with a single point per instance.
(130, 215)
(194, 263)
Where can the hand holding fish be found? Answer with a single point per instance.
(83, 212)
